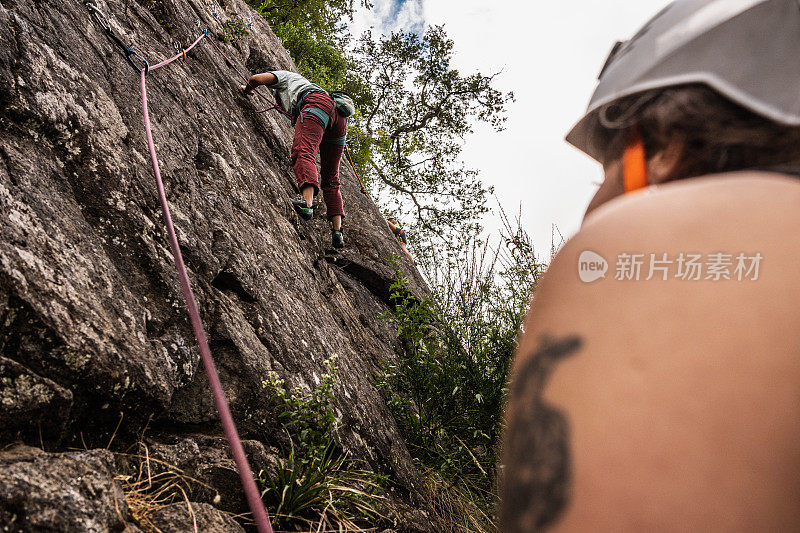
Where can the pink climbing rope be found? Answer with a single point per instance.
(181, 54)
(251, 491)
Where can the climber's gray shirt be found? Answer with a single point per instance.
(289, 87)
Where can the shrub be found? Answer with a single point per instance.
(447, 391)
(233, 30)
(317, 486)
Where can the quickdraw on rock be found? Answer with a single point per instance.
(178, 47)
(129, 53)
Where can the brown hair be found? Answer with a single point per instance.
(720, 136)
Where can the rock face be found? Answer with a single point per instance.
(94, 333)
(30, 401)
(177, 518)
(60, 492)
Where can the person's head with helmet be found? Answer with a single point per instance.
(659, 395)
(705, 87)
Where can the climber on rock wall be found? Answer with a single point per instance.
(319, 125)
(400, 233)
(656, 386)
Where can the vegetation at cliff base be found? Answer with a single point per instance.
(316, 486)
(447, 391)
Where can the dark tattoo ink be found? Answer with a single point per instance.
(537, 473)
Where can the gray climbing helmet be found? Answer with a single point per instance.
(747, 50)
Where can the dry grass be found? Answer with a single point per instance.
(458, 509)
(148, 492)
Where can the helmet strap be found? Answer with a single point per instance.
(634, 162)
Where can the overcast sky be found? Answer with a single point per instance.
(550, 54)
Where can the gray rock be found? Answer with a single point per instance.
(89, 300)
(42, 491)
(177, 518)
(417, 521)
(29, 402)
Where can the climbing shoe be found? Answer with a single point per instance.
(337, 239)
(302, 208)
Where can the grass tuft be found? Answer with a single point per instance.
(148, 492)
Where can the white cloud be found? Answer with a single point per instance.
(390, 15)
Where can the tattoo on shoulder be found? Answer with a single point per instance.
(537, 473)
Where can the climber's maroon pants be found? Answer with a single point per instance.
(310, 134)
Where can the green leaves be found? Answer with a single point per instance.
(418, 114)
(315, 36)
(321, 492)
(447, 390)
(233, 30)
(317, 486)
(307, 415)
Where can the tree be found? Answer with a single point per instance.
(321, 18)
(415, 118)
(314, 33)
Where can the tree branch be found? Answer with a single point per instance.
(411, 194)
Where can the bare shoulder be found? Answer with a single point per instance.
(659, 361)
(734, 221)
(736, 195)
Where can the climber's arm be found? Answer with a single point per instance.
(265, 78)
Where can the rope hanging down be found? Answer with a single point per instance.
(245, 473)
(349, 158)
